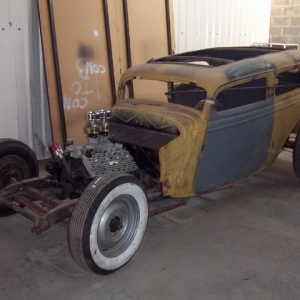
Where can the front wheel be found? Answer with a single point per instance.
(108, 223)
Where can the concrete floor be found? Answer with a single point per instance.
(241, 243)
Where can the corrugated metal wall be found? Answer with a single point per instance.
(24, 113)
(211, 23)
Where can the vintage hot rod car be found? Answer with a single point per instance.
(219, 115)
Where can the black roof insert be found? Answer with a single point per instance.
(215, 56)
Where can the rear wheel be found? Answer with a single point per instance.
(17, 162)
(108, 223)
(296, 155)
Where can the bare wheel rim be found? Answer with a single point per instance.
(118, 226)
(12, 167)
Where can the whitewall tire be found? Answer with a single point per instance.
(108, 222)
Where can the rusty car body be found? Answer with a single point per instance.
(218, 116)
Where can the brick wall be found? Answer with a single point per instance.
(285, 22)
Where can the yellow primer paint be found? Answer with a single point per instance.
(180, 158)
(286, 117)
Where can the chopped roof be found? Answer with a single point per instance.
(211, 68)
(225, 54)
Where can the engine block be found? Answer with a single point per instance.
(111, 161)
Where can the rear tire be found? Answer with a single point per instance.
(296, 155)
(17, 162)
(108, 223)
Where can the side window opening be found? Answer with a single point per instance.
(187, 94)
(287, 81)
(243, 94)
